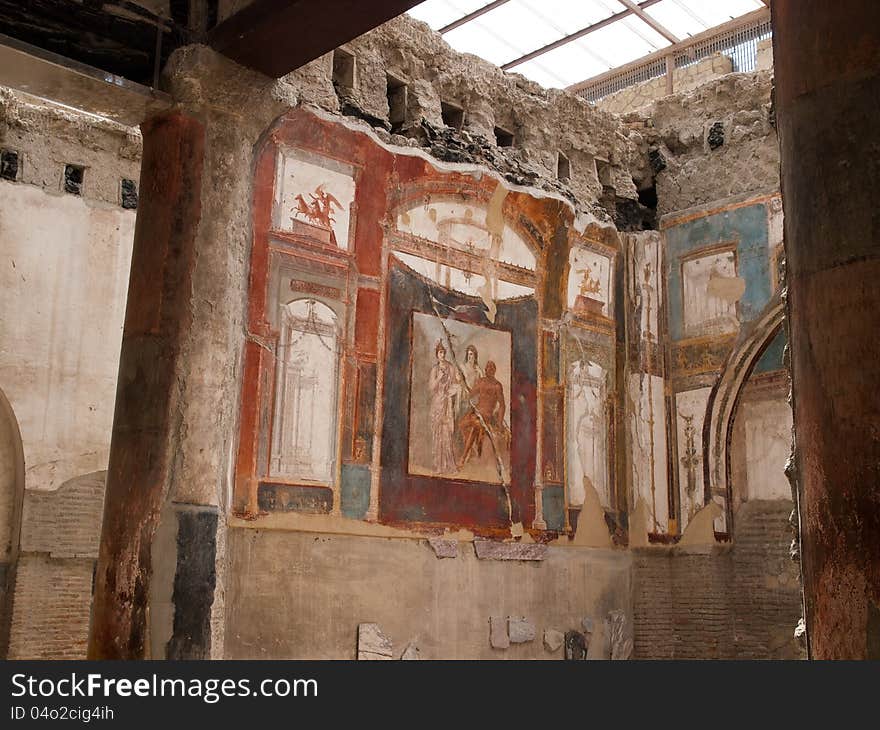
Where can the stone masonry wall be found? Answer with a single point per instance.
(52, 601)
(716, 142)
(638, 96)
(53, 579)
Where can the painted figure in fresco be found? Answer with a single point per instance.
(472, 372)
(487, 401)
(589, 446)
(319, 211)
(444, 388)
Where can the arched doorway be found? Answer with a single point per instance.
(722, 404)
(11, 499)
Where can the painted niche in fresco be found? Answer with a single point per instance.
(313, 197)
(460, 401)
(460, 246)
(589, 283)
(304, 431)
(587, 433)
(711, 290)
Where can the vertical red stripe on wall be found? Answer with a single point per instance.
(366, 325)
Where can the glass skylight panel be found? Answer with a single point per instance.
(676, 18)
(488, 41)
(569, 64)
(519, 27)
(565, 15)
(522, 27)
(620, 45)
(439, 13)
(716, 12)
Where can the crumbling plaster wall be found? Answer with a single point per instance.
(714, 153)
(235, 107)
(331, 583)
(543, 122)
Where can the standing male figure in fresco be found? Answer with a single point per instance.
(443, 387)
(487, 399)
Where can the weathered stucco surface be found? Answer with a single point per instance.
(329, 584)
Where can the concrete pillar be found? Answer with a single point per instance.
(157, 321)
(828, 96)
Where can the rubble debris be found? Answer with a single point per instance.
(492, 550)
(520, 629)
(498, 637)
(444, 548)
(373, 644)
(553, 640)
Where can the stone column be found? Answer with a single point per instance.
(828, 95)
(157, 321)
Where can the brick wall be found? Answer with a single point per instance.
(738, 601)
(52, 593)
(50, 617)
(65, 522)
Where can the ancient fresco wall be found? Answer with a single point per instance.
(462, 395)
(404, 337)
(722, 277)
(439, 367)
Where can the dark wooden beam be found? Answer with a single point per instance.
(115, 36)
(277, 36)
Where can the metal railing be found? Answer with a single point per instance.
(738, 40)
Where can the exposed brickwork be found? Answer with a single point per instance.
(53, 581)
(767, 596)
(50, 618)
(67, 521)
(726, 602)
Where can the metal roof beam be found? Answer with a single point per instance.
(644, 17)
(472, 16)
(578, 34)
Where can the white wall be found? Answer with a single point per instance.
(63, 285)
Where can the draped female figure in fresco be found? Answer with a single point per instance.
(444, 388)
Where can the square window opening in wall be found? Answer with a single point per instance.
(453, 116)
(128, 194)
(9, 165)
(397, 102)
(603, 173)
(74, 175)
(503, 138)
(344, 70)
(563, 167)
